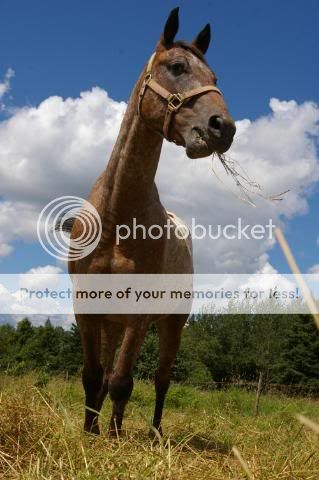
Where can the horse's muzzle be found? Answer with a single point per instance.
(221, 130)
(217, 137)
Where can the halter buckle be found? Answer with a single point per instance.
(175, 101)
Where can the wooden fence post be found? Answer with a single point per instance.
(259, 388)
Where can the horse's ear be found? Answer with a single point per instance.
(203, 38)
(171, 28)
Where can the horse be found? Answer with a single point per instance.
(175, 98)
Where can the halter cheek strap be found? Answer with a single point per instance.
(174, 100)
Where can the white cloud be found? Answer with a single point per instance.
(5, 85)
(55, 149)
(268, 278)
(5, 249)
(278, 151)
(36, 277)
(61, 146)
(17, 221)
(17, 303)
(314, 273)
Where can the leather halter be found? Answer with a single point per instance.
(174, 100)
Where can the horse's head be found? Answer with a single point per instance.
(179, 97)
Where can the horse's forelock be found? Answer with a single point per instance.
(192, 48)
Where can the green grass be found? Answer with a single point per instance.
(41, 435)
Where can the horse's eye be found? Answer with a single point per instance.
(177, 68)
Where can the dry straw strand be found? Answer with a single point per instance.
(299, 278)
(242, 462)
(246, 185)
(308, 423)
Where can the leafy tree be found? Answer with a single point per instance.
(7, 346)
(214, 347)
(299, 362)
(24, 332)
(147, 361)
(71, 350)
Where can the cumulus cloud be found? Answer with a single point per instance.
(279, 152)
(268, 278)
(36, 277)
(60, 147)
(17, 221)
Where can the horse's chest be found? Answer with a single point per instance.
(122, 262)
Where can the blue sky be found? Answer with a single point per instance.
(259, 50)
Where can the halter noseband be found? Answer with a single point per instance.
(174, 100)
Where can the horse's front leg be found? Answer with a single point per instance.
(111, 332)
(121, 380)
(92, 374)
(169, 332)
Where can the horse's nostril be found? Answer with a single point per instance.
(221, 127)
(216, 122)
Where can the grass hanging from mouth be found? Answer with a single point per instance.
(247, 187)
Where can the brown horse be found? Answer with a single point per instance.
(175, 98)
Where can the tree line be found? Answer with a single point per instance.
(214, 348)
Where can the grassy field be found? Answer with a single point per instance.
(41, 435)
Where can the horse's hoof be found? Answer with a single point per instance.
(92, 429)
(114, 433)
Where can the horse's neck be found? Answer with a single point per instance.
(133, 163)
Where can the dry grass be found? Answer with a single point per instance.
(246, 187)
(41, 436)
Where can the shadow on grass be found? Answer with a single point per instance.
(201, 443)
(186, 441)
(183, 440)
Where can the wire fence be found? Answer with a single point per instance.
(268, 387)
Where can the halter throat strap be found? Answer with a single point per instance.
(174, 100)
